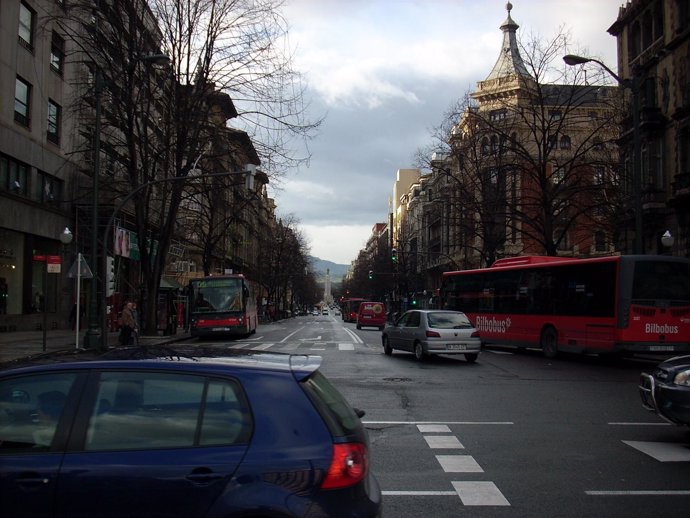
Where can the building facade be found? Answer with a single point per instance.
(653, 38)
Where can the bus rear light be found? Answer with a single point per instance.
(432, 334)
(349, 466)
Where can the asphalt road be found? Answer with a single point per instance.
(513, 435)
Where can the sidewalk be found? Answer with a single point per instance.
(28, 343)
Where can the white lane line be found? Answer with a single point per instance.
(459, 464)
(262, 347)
(448, 442)
(346, 347)
(440, 422)
(480, 493)
(291, 334)
(663, 451)
(433, 428)
(683, 492)
(419, 493)
(354, 336)
(639, 424)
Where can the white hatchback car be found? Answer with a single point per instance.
(428, 331)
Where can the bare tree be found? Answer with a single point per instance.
(227, 60)
(533, 161)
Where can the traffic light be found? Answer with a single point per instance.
(371, 274)
(394, 255)
(110, 276)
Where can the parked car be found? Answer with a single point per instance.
(424, 332)
(666, 391)
(371, 314)
(324, 311)
(180, 431)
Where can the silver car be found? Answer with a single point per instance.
(428, 331)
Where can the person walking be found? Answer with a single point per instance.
(128, 324)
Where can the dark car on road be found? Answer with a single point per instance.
(666, 391)
(180, 432)
(424, 332)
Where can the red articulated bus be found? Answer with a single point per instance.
(222, 305)
(617, 304)
(350, 309)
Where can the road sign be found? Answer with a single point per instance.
(80, 268)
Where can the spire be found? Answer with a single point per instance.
(509, 60)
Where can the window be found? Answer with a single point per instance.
(57, 53)
(54, 115)
(48, 189)
(555, 115)
(13, 175)
(32, 409)
(151, 410)
(558, 175)
(600, 241)
(565, 142)
(22, 102)
(498, 115)
(599, 175)
(26, 26)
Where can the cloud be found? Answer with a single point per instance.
(334, 242)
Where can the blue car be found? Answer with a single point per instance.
(180, 432)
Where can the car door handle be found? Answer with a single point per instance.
(203, 476)
(32, 478)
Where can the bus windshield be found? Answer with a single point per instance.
(661, 280)
(217, 296)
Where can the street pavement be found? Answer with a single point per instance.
(28, 343)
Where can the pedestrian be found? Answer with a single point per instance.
(127, 324)
(137, 323)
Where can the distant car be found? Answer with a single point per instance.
(180, 431)
(315, 312)
(371, 314)
(666, 391)
(425, 332)
(324, 311)
(337, 313)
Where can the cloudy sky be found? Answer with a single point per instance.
(384, 72)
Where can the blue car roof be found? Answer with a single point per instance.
(194, 358)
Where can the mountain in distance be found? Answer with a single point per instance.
(319, 266)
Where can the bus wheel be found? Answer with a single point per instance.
(549, 342)
(419, 351)
(387, 349)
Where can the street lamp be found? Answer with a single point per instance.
(667, 239)
(92, 337)
(634, 86)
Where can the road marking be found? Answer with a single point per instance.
(310, 339)
(663, 451)
(682, 492)
(419, 493)
(448, 442)
(291, 334)
(433, 428)
(354, 336)
(639, 424)
(262, 347)
(459, 464)
(480, 493)
(441, 422)
(346, 347)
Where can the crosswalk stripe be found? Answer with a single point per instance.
(480, 493)
(443, 442)
(459, 464)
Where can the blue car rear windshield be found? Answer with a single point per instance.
(333, 407)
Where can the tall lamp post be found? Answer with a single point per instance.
(93, 333)
(634, 86)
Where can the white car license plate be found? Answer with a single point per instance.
(456, 347)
